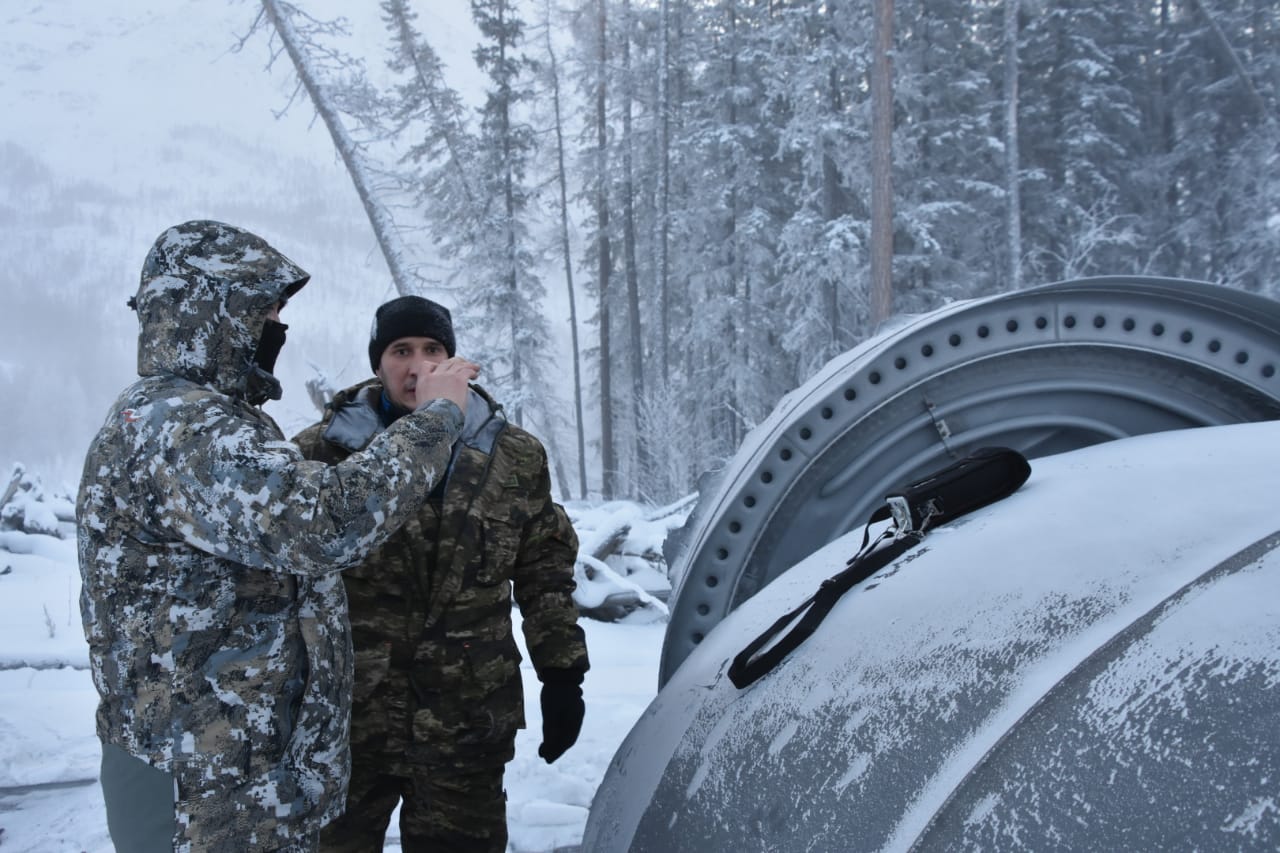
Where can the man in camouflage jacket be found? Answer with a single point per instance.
(209, 551)
(438, 695)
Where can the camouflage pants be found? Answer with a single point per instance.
(459, 808)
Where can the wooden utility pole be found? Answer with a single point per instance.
(882, 163)
(1013, 206)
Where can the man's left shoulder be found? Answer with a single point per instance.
(521, 443)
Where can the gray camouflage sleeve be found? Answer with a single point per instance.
(231, 487)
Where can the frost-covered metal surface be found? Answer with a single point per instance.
(1043, 370)
(1090, 664)
(1164, 740)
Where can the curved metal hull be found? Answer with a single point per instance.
(1092, 663)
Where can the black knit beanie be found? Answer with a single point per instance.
(409, 317)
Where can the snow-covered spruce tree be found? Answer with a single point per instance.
(555, 117)
(1218, 65)
(589, 64)
(948, 174)
(821, 71)
(1081, 129)
(650, 82)
(503, 306)
(335, 82)
(638, 445)
(429, 121)
(735, 209)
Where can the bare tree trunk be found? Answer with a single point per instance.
(509, 206)
(733, 407)
(664, 195)
(636, 345)
(882, 164)
(832, 200)
(1228, 55)
(568, 262)
(384, 228)
(1012, 188)
(608, 453)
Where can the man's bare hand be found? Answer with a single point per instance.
(444, 380)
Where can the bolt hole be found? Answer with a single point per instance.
(712, 580)
(1129, 324)
(850, 394)
(766, 477)
(827, 413)
(1269, 370)
(983, 331)
(696, 637)
(900, 362)
(926, 350)
(785, 454)
(1157, 329)
(805, 433)
(721, 554)
(1042, 323)
(1069, 321)
(1215, 345)
(1012, 326)
(874, 378)
(1242, 357)
(1099, 322)
(1186, 336)
(954, 340)
(703, 610)
(735, 527)
(749, 500)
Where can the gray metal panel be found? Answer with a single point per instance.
(1043, 370)
(1100, 680)
(1165, 739)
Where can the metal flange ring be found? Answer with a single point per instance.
(1043, 370)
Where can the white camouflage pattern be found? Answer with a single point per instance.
(209, 550)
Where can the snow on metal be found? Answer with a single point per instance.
(1043, 370)
(1091, 664)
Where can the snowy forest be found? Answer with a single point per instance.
(728, 193)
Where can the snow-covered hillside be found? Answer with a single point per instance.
(122, 119)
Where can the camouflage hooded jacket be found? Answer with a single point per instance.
(437, 667)
(208, 547)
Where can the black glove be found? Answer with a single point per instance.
(562, 711)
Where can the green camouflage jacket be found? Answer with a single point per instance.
(209, 547)
(437, 668)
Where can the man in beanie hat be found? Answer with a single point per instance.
(209, 551)
(438, 697)
(408, 317)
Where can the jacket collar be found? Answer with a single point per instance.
(355, 420)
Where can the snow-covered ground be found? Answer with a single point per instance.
(49, 798)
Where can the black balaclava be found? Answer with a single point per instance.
(262, 384)
(269, 345)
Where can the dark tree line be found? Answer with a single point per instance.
(705, 178)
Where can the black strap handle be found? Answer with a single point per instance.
(751, 663)
(983, 477)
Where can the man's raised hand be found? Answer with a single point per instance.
(444, 380)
